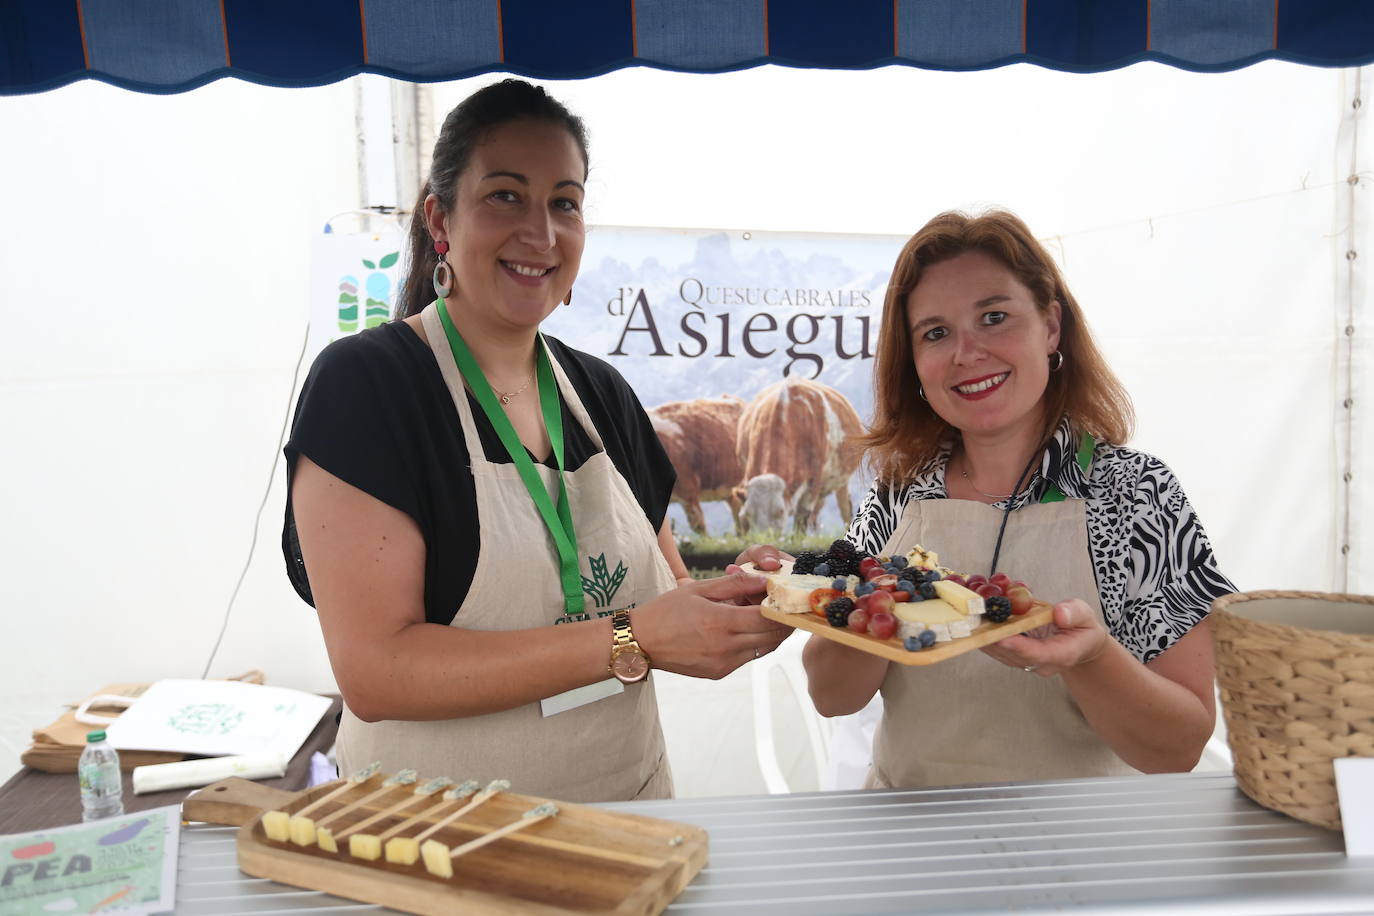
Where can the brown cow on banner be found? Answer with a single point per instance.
(795, 430)
(699, 437)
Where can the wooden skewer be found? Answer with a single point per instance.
(532, 816)
(361, 776)
(496, 785)
(421, 792)
(403, 778)
(439, 858)
(457, 793)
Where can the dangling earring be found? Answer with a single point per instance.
(567, 300)
(1056, 361)
(443, 273)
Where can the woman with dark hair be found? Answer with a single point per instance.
(459, 484)
(998, 440)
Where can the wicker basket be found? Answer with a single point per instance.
(1295, 697)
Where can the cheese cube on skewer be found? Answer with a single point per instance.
(364, 846)
(437, 861)
(325, 837)
(302, 830)
(402, 850)
(274, 824)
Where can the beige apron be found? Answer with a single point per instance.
(610, 749)
(972, 719)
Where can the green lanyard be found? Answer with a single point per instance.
(559, 522)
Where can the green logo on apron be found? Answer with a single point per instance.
(603, 585)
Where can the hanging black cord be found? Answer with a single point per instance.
(1006, 513)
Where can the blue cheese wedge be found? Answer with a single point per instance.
(790, 593)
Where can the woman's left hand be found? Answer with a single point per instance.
(1076, 638)
(765, 557)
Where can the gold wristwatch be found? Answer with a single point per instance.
(629, 662)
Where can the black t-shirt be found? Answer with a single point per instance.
(375, 412)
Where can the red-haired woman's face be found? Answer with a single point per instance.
(981, 346)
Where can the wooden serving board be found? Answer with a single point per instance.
(584, 860)
(892, 649)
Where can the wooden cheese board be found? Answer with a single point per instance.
(1040, 614)
(581, 860)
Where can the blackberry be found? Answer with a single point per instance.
(837, 612)
(805, 563)
(926, 590)
(997, 608)
(844, 558)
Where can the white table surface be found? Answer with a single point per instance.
(1183, 843)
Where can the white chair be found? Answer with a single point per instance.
(786, 661)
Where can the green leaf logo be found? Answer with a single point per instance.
(369, 265)
(390, 259)
(603, 585)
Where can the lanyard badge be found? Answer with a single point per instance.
(558, 519)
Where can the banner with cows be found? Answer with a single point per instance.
(753, 354)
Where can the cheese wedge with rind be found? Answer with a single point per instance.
(966, 600)
(437, 859)
(275, 825)
(931, 611)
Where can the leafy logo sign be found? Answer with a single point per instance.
(603, 584)
(377, 289)
(353, 283)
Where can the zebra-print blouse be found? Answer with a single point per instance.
(1156, 574)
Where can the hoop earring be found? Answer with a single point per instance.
(443, 272)
(567, 300)
(1056, 363)
(922, 392)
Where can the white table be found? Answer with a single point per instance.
(1185, 843)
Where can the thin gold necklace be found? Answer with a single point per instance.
(963, 472)
(505, 396)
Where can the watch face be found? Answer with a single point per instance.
(630, 666)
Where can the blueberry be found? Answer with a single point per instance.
(822, 569)
(865, 588)
(933, 575)
(927, 638)
(899, 562)
(840, 584)
(913, 643)
(906, 585)
(926, 589)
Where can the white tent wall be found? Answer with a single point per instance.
(155, 255)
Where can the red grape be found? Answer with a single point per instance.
(858, 620)
(882, 625)
(988, 590)
(880, 602)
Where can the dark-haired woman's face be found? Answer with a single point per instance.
(516, 231)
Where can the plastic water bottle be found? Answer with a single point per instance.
(102, 788)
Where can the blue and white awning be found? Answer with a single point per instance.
(175, 45)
